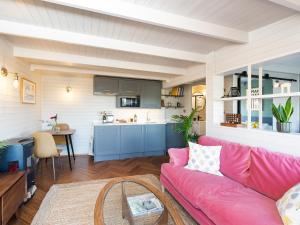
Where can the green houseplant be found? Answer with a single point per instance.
(184, 126)
(283, 115)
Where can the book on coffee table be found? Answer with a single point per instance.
(144, 204)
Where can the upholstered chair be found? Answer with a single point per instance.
(45, 147)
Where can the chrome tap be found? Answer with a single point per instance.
(148, 118)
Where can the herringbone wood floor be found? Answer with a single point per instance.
(84, 169)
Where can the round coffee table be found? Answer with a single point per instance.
(129, 200)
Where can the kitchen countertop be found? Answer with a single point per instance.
(99, 123)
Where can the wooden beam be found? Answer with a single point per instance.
(160, 18)
(37, 32)
(63, 69)
(93, 61)
(292, 4)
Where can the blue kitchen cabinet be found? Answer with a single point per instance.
(106, 143)
(155, 139)
(174, 139)
(132, 141)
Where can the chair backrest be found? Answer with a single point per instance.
(44, 145)
(63, 126)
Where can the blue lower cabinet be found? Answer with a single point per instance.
(155, 139)
(132, 141)
(174, 139)
(106, 143)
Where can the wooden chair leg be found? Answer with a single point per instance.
(53, 165)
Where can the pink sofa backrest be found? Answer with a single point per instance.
(235, 158)
(272, 174)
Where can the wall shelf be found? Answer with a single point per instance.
(234, 98)
(280, 95)
(173, 96)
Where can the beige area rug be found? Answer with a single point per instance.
(73, 204)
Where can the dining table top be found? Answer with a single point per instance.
(62, 132)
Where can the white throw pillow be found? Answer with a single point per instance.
(289, 206)
(204, 158)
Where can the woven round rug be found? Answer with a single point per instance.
(74, 203)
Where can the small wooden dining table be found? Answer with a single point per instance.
(68, 137)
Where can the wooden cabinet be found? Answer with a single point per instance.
(126, 141)
(132, 142)
(129, 87)
(155, 139)
(151, 94)
(106, 142)
(12, 193)
(106, 85)
(174, 139)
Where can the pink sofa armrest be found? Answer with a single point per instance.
(179, 156)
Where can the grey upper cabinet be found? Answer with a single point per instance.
(151, 94)
(129, 87)
(106, 85)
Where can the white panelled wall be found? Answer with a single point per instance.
(80, 107)
(273, 41)
(16, 119)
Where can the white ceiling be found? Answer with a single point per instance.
(243, 15)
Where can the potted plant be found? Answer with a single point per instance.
(184, 126)
(283, 115)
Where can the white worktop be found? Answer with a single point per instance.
(100, 123)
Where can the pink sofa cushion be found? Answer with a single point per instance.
(272, 174)
(179, 156)
(235, 158)
(223, 200)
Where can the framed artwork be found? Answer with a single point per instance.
(28, 91)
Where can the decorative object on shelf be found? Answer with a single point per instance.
(283, 116)
(177, 92)
(255, 103)
(234, 92)
(28, 91)
(184, 126)
(232, 120)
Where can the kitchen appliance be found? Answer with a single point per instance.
(128, 101)
(107, 117)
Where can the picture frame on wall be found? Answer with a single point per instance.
(28, 91)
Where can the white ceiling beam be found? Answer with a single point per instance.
(155, 17)
(93, 61)
(292, 4)
(37, 32)
(72, 70)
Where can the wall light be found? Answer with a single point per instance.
(68, 89)
(4, 72)
(16, 81)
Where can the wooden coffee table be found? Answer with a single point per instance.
(128, 187)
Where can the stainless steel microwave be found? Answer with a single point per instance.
(128, 101)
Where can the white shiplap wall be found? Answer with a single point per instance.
(273, 41)
(16, 119)
(80, 108)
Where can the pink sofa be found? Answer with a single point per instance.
(246, 195)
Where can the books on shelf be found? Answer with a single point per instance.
(177, 91)
(144, 204)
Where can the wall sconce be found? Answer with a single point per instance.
(276, 84)
(4, 72)
(16, 81)
(68, 89)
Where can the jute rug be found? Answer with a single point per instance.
(73, 204)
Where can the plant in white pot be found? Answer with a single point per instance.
(283, 115)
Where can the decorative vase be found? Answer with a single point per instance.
(284, 127)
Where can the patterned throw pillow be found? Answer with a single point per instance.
(289, 206)
(204, 158)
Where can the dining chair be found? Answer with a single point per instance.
(60, 140)
(45, 147)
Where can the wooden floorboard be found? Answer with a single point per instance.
(84, 170)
